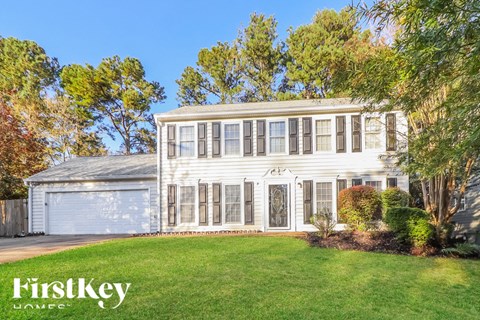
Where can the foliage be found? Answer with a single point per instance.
(21, 155)
(395, 197)
(316, 61)
(118, 92)
(323, 53)
(359, 205)
(324, 222)
(430, 72)
(463, 250)
(410, 225)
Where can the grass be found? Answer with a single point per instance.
(251, 278)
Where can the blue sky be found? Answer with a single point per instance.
(165, 35)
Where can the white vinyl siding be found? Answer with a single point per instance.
(323, 135)
(277, 137)
(324, 196)
(187, 204)
(373, 133)
(232, 139)
(187, 141)
(377, 185)
(232, 204)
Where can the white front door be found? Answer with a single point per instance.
(278, 205)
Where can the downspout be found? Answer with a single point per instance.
(159, 174)
(30, 206)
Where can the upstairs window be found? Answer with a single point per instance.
(277, 137)
(324, 135)
(232, 204)
(372, 133)
(232, 139)
(187, 141)
(187, 204)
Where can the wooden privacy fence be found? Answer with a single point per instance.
(13, 217)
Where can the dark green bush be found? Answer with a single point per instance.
(410, 225)
(395, 197)
(359, 205)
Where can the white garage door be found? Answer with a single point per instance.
(98, 212)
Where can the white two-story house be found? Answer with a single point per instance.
(270, 166)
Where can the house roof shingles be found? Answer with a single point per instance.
(142, 166)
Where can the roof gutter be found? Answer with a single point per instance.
(253, 113)
(87, 179)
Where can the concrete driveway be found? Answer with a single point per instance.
(14, 249)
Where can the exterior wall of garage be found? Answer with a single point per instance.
(39, 191)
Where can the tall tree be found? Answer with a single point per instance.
(431, 72)
(261, 58)
(323, 53)
(118, 98)
(217, 74)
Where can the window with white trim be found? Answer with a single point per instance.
(232, 204)
(377, 185)
(462, 206)
(373, 133)
(323, 135)
(187, 204)
(277, 136)
(324, 196)
(187, 141)
(232, 139)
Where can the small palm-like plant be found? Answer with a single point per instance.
(324, 222)
(463, 250)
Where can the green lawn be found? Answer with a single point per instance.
(251, 278)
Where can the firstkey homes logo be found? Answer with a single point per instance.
(70, 289)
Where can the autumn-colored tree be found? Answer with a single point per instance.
(21, 155)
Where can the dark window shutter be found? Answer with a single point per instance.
(216, 139)
(172, 204)
(391, 182)
(341, 185)
(261, 132)
(307, 200)
(293, 134)
(171, 141)
(307, 135)
(391, 132)
(247, 138)
(203, 204)
(356, 134)
(341, 139)
(356, 182)
(217, 203)
(248, 207)
(202, 140)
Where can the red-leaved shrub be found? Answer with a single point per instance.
(358, 206)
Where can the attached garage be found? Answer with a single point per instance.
(96, 195)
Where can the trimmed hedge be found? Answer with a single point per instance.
(359, 205)
(411, 225)
(395, 197)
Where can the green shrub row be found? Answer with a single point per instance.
(411, 225)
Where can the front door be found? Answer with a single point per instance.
(278, 216)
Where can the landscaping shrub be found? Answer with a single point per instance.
(395, 197)
(410, 225)
(324, 222)
(463, 250)
(359, 205)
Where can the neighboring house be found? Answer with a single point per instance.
(467, 219)
(95, 195)
(270, 166)
(254, 166)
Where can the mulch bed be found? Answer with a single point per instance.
(378, 241)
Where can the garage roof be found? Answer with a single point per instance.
(142, 166)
